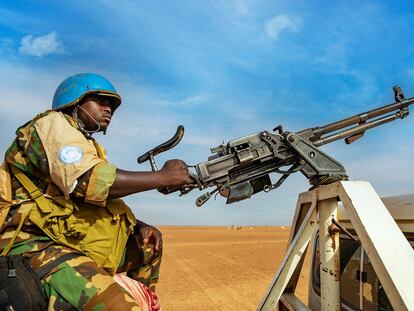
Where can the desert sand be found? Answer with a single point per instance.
(221, 268)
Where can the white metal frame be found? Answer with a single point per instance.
(390, 253)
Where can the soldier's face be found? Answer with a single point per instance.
(95, 110)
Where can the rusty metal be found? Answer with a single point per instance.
(344, 230)
(330, 272)
(332, 230)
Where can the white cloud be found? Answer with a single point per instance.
(275, 25)
(42, 45)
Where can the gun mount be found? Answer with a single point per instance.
(243, 166)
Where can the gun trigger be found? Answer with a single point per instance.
(349, 140)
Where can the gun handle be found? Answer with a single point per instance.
(174, 141)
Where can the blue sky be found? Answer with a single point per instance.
(223, 69)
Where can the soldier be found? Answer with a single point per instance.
(59, 195)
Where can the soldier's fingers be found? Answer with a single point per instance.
(145, 235)
(158, 242)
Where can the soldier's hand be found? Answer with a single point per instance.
(175, 173)
(150, 234)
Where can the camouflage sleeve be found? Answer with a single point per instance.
(94, 185)
(27, 153)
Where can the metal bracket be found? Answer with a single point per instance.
(320, 168)
(376, 234)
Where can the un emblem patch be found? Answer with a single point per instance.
(70, 154)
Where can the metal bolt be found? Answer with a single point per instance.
(291, 139)
(311, 154)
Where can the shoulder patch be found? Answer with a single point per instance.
(70, 154)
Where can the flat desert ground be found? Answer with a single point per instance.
(221, 268)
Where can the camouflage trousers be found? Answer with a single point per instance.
(80, 284)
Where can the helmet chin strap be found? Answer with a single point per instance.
(82, 124)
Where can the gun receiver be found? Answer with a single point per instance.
(242, 167)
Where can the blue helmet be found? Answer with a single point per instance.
(71, 91)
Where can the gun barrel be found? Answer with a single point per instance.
(358, 129)
(363, 116)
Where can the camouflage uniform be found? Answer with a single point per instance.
(79, 282)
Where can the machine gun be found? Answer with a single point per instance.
(242, 167)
